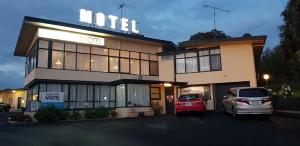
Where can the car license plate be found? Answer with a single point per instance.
(255, 102)
(188, 104)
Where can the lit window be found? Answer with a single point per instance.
(70, 59)
(113, 64)
(57, 59)
(43, 58)
(124, 64)
(83, 61)
(134, 66)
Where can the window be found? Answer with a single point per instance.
(204, 60)
(96, 63)
(83, 49)
(124, 64)
(121, 95)
(113, 52)
(134, 66)
(135, 55)
(124, 54)
(113, 64)
(83, 62)
(138, 95)
(70, 47)
(153, 68)
(43, 44)
(58, 46)
(100, 51)
(180, 63)
(208, 60)
(81, 96)
(155, 93)
(57, 59)
(43, 58)
(103, 63)
(70, 60)
(191, 62)
(215, 59)
(144, 67)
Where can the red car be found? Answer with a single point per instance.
(190, 103)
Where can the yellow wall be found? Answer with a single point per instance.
(7, 95)
(237, 65)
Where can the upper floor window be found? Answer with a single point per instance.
(91, 58)
(201, 61)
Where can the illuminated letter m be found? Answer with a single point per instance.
(86, 16)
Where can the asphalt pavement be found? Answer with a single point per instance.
(211, 129)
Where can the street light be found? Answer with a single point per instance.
(266, 77)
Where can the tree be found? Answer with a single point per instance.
(290, 38)
(213, 34)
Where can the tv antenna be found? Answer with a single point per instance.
(214, 8)
(123, 5)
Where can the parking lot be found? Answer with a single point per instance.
(211, 129)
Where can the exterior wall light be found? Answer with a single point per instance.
(167, 84)
(14, 91)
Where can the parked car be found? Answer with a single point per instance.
(247, 100)
(4, 107)
(190, 103)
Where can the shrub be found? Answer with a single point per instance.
(97, 113)
(90, 114)
(102, 112)
(49, 114)
(75, 115)
(113, 113)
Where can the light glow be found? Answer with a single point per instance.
(14, 91)
(167, 85)
(70, 36)
(266, 76)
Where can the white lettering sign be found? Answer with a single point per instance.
(86, 16)
(70, 36)
(52, 97)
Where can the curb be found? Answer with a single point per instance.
(287, 114)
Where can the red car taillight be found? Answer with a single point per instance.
(179, 103)
(242, 100)
(265, 100)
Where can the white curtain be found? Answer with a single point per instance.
(191, 65)
(43, 58)
(144, 67)
(138, 95)
(121, 95)
(180, 66)
(83, 61)
(70, 59)
(204, 63)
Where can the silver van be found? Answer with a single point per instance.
(247, 100)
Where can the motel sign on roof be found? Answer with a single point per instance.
(86, 16)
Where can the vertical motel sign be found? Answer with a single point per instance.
(86, 16)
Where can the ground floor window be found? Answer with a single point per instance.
(138, 95)
(82, 96)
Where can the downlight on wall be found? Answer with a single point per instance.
(167, 84)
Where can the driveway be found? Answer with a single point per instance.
(3, 118)
(212, 129)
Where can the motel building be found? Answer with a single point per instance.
(90, 67)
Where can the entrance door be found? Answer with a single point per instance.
(19, 102)
(169, 100)
(220, 90)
